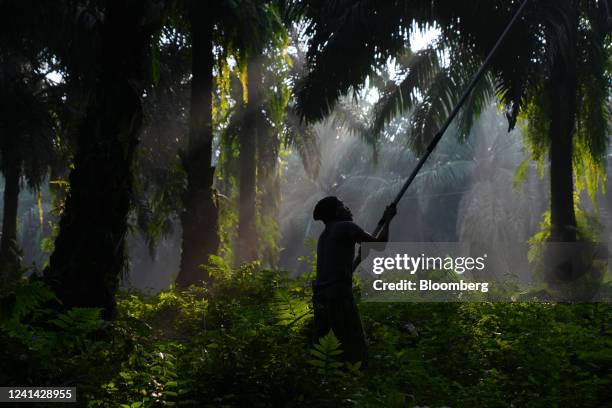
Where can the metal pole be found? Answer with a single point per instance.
(432, 145)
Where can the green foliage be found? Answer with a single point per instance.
(429, 91)
(588, 230)
(233, 344)
(290, 309)
(41, 342)
(479, 354)
(21, 299)
(311, 258)
(232, 106)
(325, 355)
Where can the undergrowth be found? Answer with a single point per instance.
(246, 341)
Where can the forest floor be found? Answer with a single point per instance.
(246, 341)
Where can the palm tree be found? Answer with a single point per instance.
(512, 208)
(251, 144)
(552, 69)
(160, 176)
(89, 255)
(238, 28)
(28, 115)
(260, 142)
(26, 144)
(199, 218)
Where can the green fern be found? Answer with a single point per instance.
(326, 354)
(80, 320)
(24, 298)
(288, 309)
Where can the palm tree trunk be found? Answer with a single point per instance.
(562, 215)
(200, 215)
(9, 250)
(90, 254)
(563, 85)
(247, 232)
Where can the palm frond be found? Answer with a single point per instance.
(246, 27)
(464, 65)
(350, 117)
(421, 68)
(593, 115)
(304, 139)
(352, 37)
(438, 100)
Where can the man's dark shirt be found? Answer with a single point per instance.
(336, 250)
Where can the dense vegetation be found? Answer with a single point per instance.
(245, 340)
(160, 161)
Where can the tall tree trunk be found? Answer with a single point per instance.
(90, 253)
(563, 262)
(200, 217)
(562, 215)
(247, 227)
(563, 87)
(9, 250)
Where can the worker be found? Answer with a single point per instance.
(334, 307)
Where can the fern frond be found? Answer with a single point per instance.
(326, 354)
(24, 298)
(288, 309)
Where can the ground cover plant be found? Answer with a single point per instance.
(246, 339)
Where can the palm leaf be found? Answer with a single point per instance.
(421, 69)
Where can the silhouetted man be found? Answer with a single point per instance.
(333, 303)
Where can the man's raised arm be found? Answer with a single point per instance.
(383, 236)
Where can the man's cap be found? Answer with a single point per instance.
(326, 208)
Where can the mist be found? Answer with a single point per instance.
(467, 191)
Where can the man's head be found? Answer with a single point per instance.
(330, 209)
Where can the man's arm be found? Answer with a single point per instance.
(383, 235)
